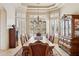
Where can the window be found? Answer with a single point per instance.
(20, 22)
(37, 25)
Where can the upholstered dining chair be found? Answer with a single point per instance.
(38, 49)
(51, 38)
(24, 48)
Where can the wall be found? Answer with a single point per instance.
(3, 29)
(0, 28)
(43, 13)
(21, 20)
(43, 17)
(6, 20)
(10, 8)
(70, 8)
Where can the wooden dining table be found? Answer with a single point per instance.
(44, 40)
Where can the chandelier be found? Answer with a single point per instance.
(38, 18)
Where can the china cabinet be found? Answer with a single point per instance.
(69, 34)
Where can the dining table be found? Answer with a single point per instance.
(44, 40)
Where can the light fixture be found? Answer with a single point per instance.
(37, 20)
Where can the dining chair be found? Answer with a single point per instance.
(24, 48)
(38, 49)
(51, 38)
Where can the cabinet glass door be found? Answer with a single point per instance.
(68, 27)
(77, 27)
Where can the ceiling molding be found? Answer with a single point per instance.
(41, 5)
(38, 5)
(56, 6)
(44, 10)
(34, 13)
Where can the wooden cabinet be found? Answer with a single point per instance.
(12, 38)
(75, 35)
(69, 34)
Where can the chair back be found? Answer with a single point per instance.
(38, 49)
(23, 40)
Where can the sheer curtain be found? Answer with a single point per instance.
(54, 23)
(20, 21)
(54, 26)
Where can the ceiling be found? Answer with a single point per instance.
(39, 5)
(42, 7)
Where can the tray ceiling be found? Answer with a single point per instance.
(39, 5)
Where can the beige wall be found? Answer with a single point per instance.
(7, 18)
(3, 29)
(44, 15)
(21, 18)
(70, 8)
